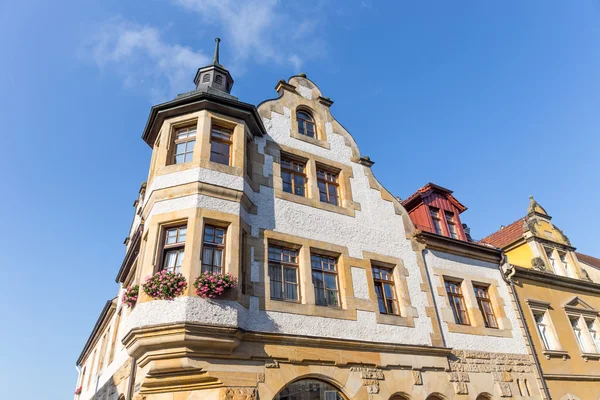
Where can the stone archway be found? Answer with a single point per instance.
(435, 396)
(310, 389)
(484, 396)
(400, 396)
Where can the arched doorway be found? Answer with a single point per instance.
(310, 389)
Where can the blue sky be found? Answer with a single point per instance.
(495, 100)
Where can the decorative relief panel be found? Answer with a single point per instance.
(370, 378)
(479, 361)
(246, 393)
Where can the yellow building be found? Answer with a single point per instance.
(560, 303)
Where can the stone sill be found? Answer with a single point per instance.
(590, 356)
(555, 353)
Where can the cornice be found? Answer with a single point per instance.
(556, 280)
(458, 247)
(574, 377)
(107, 311)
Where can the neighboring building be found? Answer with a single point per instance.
(560, 303)
(590, 266)
(334, 298)
(479, 318)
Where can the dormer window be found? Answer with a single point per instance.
(306, 124)
(435, 219)
(451, 225)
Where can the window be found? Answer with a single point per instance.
(173, 249)
(542, 327)
(384, 287)
(324, 276)
(213, 249)
(451, 225)
(206, 78)
(306, 124)
(293, 176)
(457, 302)
(485, 306)
(591, 327)
(219, 79)
(309, 389)
(328, 186)
(435, 218)
(577, 331)
(185, 139)
(220, 145)
(283, 273)
(565, 264)
(551, 260)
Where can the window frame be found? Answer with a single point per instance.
(185, 140)
(324, 273)
(382, 282)
(481, 300)
(461, 299)
(177, 246)
(450, 218)
(283, 265)
(328, 184)
(303, 123)
(221, 141)
(293, 173)
(544, 336)
(437, 218)
(214, 246)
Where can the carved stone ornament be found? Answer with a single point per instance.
(417, 377)
(538, 263)
(504, 389)
(240, 394)
(461, 388)
(273, 364)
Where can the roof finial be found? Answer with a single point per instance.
(216, 56)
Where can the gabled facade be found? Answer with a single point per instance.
(479, 319)
(337, 295)
(559, 301)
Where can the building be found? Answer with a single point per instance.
(333, 297)
(560, 302)
(479, 319)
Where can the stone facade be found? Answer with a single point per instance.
(248, 344)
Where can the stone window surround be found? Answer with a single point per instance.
(191, 267)
(320, 138)
(541, 306)
(161, 158)
(347, 205)
(477, 325)
(540, 249)
(348, 303)
(583, 315)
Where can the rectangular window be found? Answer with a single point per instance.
(384, 287)
(591, 326)
(457, 302)
(328, 186)
(173, 249)
(283, 273)
(293, 175)
(185, 139)
(435, 219)
(213, 249)
(451, 225)
(550, 255)
(220, 145)
(324, 277)
(485, 306)
(578, 332)
(565, 264)
(542, 327)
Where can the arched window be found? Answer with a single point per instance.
(219, 79)
(399, 397)
(306, 124)
(434, 397)
(484, 396)
(310, 389)
(206, 78)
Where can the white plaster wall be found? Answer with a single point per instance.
(463, 265)
(305, 92)
(360, 283)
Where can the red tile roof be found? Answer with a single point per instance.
(506, 235)
(593, 261)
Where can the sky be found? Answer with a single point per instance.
(497, 101)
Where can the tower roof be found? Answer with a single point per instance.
(214, 77)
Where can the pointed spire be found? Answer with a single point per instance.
(216, 55)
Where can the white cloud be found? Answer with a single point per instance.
(255, 31)
(144, 59)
